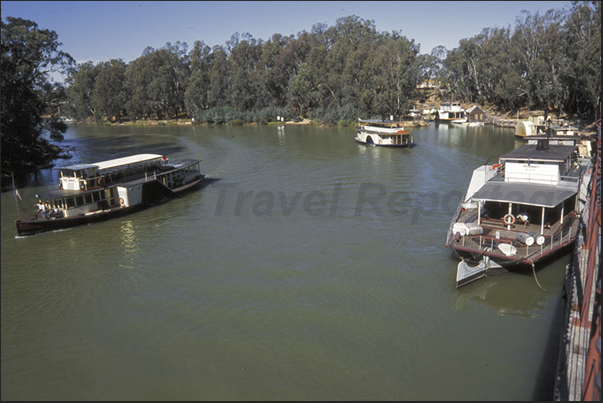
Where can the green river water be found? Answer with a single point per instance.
(309, 267)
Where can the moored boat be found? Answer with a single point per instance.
(450, 112)
(519, 211)
(386, 133)
(104, 190)
(557, 132)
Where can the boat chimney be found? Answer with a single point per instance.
(543, 144)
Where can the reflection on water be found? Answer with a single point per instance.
(493, 293)
(129, 240)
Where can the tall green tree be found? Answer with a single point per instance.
(581, 76)
(80, 87)
(29, 55)
(110, 92)
(196, 95)
(218, 78)
(157, 81)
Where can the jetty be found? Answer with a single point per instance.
(579, 364)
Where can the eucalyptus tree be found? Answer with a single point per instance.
(29, 54)
(433, 64)
(395, 69)
(80, 87)
(218, 78)
(245, 52)
(276, 65)
(304, 88)
(350, 41)
(501, 81)
(196, 95)
(158, 80)
(539, 39)
(110, 91)
(581, 75)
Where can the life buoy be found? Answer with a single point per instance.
(100, 181)
(121, 200)
(495, 166)
(380, 141)
(509, 219)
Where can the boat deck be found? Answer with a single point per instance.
(494, 233)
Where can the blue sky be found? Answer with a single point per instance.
(102, 30)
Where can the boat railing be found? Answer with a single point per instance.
(555, 241)
(455, 217)
(489, 243)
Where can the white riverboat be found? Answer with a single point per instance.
(451, 112)
(386, 133)
(519, 211)
(99, 191)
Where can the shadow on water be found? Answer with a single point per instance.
(545, 380)
(494, 292)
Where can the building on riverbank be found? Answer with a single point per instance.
(579, 365)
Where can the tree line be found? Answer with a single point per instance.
(549, 61)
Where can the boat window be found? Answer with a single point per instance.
(79, 200)
(88, 198)
(70, 202)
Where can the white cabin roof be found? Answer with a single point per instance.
(126, 160)
(117, 162)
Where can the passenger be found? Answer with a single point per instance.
(41, 209)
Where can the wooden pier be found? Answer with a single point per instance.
(579, 365)
(503, 122)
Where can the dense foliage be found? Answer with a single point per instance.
(28, 55)
(549, 62)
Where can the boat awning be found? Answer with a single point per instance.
(525, 193)
(75, 167)
(60, 193)
(379, 121)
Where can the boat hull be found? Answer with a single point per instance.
(514, 262)
(153, 197)
(407, 145)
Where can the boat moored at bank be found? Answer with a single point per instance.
(519, 211)
(386, 133)
(450, 112)
(89, 193)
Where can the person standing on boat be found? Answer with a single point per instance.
(41, 209)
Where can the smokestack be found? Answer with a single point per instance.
(543, 145)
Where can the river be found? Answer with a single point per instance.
(309, 267)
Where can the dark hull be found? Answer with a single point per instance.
(514, 262)
(153, 198)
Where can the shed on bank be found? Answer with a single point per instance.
(476, 114)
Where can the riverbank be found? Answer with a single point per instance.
(508, 119)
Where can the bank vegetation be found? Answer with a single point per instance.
(334, 74)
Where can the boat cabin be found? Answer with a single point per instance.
(451, 111)
(99, 174)
(536, 182)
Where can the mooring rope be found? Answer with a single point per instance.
(534, 271)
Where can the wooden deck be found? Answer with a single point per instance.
(495, 232)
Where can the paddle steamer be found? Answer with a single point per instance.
(385, 133)
(519, 211)
(99, 191)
